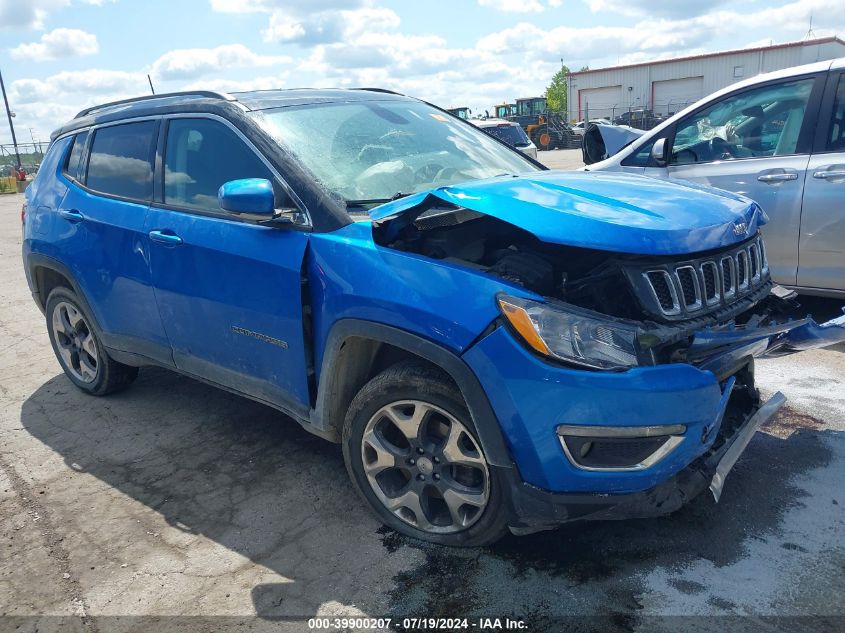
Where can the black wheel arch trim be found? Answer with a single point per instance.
(324, 418)
(115, 345)
(37, 260)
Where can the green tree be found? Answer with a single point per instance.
(556, 92)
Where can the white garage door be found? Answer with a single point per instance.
(602, 102)
(676, 94)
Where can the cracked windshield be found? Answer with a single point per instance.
(376, 151)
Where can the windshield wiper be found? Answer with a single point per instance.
(364, 203)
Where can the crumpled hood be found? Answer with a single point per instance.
(603, 210)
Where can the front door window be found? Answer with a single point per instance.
(757, 123)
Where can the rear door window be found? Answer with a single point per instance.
(121, 161)
(836, 130)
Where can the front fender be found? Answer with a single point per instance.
(351, 277)
(332, 392)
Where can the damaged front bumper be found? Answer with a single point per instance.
(536, 509)
(719, 349)
(706, 407)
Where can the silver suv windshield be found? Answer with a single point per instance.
(374, 151)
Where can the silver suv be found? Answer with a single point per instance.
(778, 138)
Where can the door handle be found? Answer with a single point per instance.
(824, 174)
(71, 215)
(165, 237)
(779, 177)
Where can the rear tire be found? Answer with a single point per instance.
(78, 347)
(413, 454)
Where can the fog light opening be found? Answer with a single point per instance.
(604, 448)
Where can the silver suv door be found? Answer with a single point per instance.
(755, 142)
(821, 247)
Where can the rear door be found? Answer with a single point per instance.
(229, 291)
(757, 143)
(822, 244)
(100, 233)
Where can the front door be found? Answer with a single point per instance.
(756, 143)
(229, 292)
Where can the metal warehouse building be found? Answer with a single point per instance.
(669, 85)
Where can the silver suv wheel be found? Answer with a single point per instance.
(425, 467)
(75, 342)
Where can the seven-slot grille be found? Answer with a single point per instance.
(692, 287)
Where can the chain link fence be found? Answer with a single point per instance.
(635, 114)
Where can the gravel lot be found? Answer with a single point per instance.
(176, 499)
(562, 158)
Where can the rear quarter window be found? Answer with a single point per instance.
(74, 157)
(121, 160)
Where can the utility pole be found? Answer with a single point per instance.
(11, 126)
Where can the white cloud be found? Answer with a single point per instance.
(325, 27)
(513, 6)
(520, 6)
(33, 13)
(44, 104)
(238, 85)
(28, 14)
(353, 43)
(190, 63)
(404, 55)
(642, 56)
(298, 7)
(57, 44)
(313, 22)
(93, 83)
(651, 37)
(670, 9)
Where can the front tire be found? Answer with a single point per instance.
(543, 139)
(413, 453)
(78, 348)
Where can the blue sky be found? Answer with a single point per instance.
(58, 56)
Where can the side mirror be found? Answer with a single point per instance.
(248, 196)
(658, 152)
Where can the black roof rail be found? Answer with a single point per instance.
(385, 90)
(201, 94)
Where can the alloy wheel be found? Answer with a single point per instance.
(75, 342)
(425, 467)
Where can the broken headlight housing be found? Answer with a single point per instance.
(572, 335)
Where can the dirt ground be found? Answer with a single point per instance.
(177, 499)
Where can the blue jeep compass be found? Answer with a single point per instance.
(496, 346)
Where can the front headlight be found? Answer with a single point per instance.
(572, 335)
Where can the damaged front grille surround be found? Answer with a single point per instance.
(690, 288)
